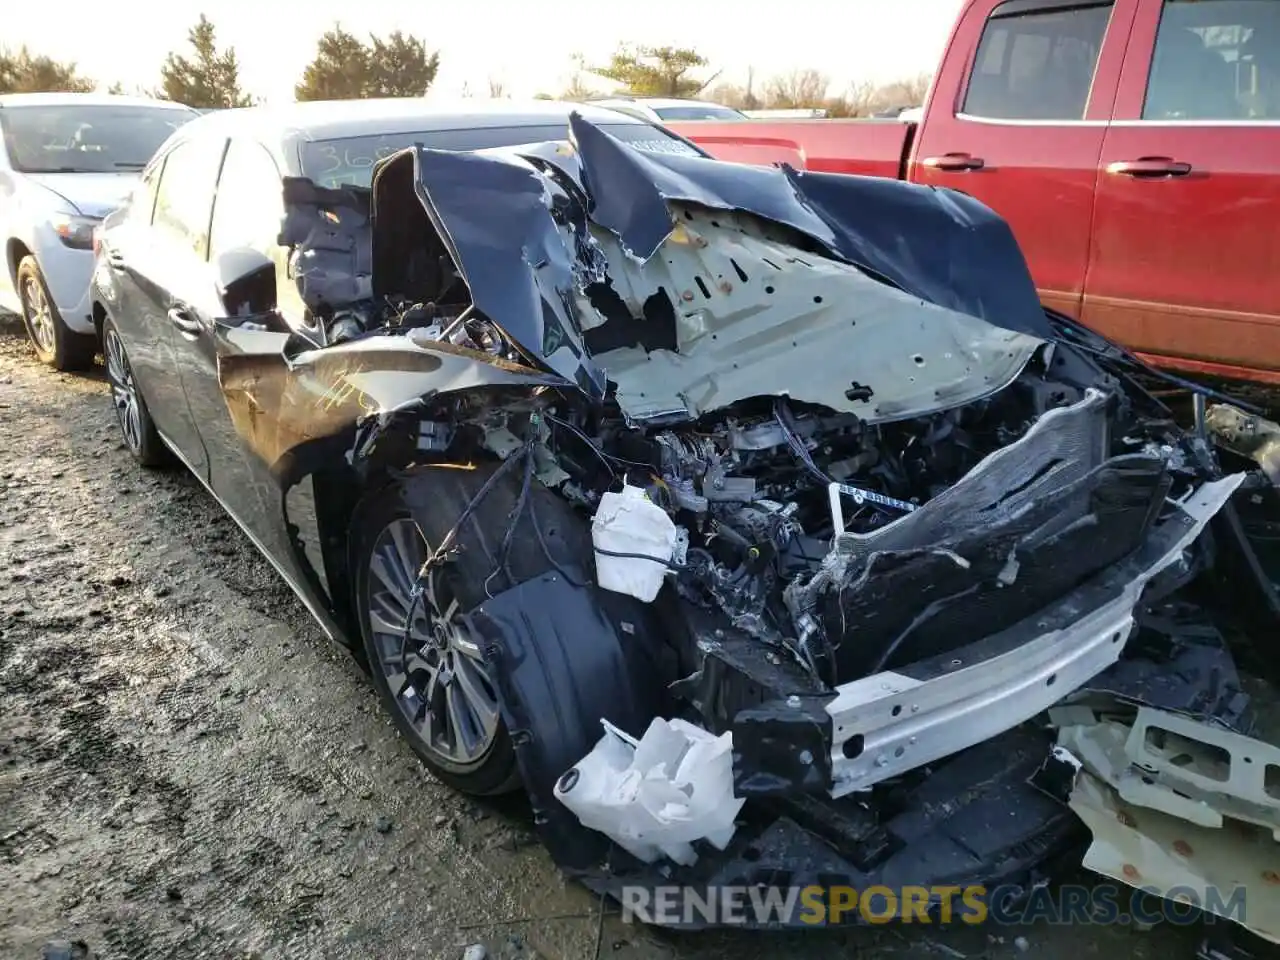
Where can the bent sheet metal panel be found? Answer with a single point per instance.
(905, 722)
(495, 216)
(756, 316)
(1182, 767)
(1151, 850)
(279, 402)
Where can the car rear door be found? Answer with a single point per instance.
(1017, 117)
(124, 269)
(168, 267)
(1186, 257)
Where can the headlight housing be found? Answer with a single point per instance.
(74, 230)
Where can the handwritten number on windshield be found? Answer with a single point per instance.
(346, 159)
(330, 153)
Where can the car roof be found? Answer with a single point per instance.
(658, 102)
(335, 119)
(85, 100)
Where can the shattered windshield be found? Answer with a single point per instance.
(73, 138)
(350, 160)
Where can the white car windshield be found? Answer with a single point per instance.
(74, 138)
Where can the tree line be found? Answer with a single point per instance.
(348, 67)
(201, 75)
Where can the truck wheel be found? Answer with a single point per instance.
(56, 344)
(427, 668)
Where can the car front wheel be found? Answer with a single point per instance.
(56, 344)
(426, 665)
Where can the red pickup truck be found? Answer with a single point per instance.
(1133, 146)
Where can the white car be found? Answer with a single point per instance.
(663, 110)
(66, 161)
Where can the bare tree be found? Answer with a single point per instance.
(498, 89)
(578, 89)
(800, 88)
(751, 101)
(908, 92)
(865, 98)
(730, 95)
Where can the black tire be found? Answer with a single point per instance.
(465, 577)
(136, 426)
(55, 343)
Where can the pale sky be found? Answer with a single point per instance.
(526, 45)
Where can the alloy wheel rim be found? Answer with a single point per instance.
(39, 314)
(431, 664)
(124, 393)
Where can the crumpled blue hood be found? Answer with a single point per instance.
(500, 213)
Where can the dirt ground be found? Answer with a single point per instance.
(190, 769)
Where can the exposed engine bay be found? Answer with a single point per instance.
(854, 521)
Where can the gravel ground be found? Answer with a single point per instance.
(189, 768)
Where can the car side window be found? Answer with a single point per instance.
(1036, 61)
(142, 201)
(1215, 60)
(185, 196)
(249, 203)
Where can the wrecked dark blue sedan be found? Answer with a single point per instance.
(760, 525)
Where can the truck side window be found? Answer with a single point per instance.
(1035, 63)
(1216, 60)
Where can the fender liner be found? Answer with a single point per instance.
(563, 655)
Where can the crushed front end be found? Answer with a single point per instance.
(860, 512)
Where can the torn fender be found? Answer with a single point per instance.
(279, 401)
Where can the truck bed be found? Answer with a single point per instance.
(876, 148)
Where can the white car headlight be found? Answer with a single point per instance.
(73, 230)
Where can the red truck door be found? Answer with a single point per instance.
(1185, 264)
(1017, 117)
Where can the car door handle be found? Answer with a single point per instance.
(115, 260)
(1149, 167)
(179, 317)
(954, 161)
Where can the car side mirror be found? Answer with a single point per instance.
(246, 281)
(237, 264)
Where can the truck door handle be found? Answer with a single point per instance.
(1149, 167)
(954, 161)
(179, 317)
